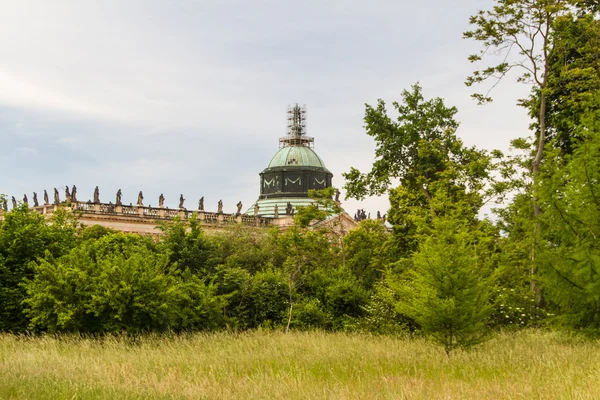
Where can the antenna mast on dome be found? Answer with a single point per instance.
(296, 128)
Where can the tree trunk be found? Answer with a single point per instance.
(291, 292)
(535, 289)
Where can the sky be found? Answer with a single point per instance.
(189, 97)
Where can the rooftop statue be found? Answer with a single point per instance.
(140, 200)
(220, 207)
(96, 195)
(67, 194)
(14, 202)
(5, 205)
(118, 199)
(181, 200)
(35, 200)
(378, 215)
(256, 208)
(74, 194)
(337, 196)
(289, 209)
(360, 215)
(276, 212)
(25, 200)
(46, 200)
(201, 204)
(161, 200)
(239, 208)
(56, 197)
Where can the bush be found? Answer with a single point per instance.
(114, 284)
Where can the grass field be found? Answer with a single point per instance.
(528, 365)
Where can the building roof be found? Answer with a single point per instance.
(296, 156)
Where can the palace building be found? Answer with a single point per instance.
(284, 186)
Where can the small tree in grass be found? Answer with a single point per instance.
(447, 293)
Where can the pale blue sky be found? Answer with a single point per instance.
(190, 96)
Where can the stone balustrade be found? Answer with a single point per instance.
(148, 214)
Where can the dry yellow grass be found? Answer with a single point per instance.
(255, 365)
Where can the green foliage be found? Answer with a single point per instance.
(573, 77)
(323, 207)
(25, 236)
(448, 292)
(365, 251)
(422, 151)
(310, 314)
(570, 250)
(522, 26)
(187, 246)
(117, 283)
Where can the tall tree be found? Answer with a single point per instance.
(573, 77)
(524, 27)
(448, 292)
(570, 251)
(419, 149)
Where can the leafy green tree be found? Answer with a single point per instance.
(570, 251)
(323, 207)
(367, 252)
(117, 283)
(448, 292)
(187, 246)
(305, 250)
(573, 77)
(526, 27)
(249, 249)
(420, 149)
(24, 236)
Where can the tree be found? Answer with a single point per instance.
(24, 236)
(366, 251)
(305, 250)
(322, 207)
(448, 292)
(422, 151)
(525, 27)
(573, 77)
(189, 248)
(570, 251)
(118, 283)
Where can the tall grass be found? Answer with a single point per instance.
(255, 365)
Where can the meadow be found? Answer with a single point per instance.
(263, 365)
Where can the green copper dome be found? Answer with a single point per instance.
(296, 156)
